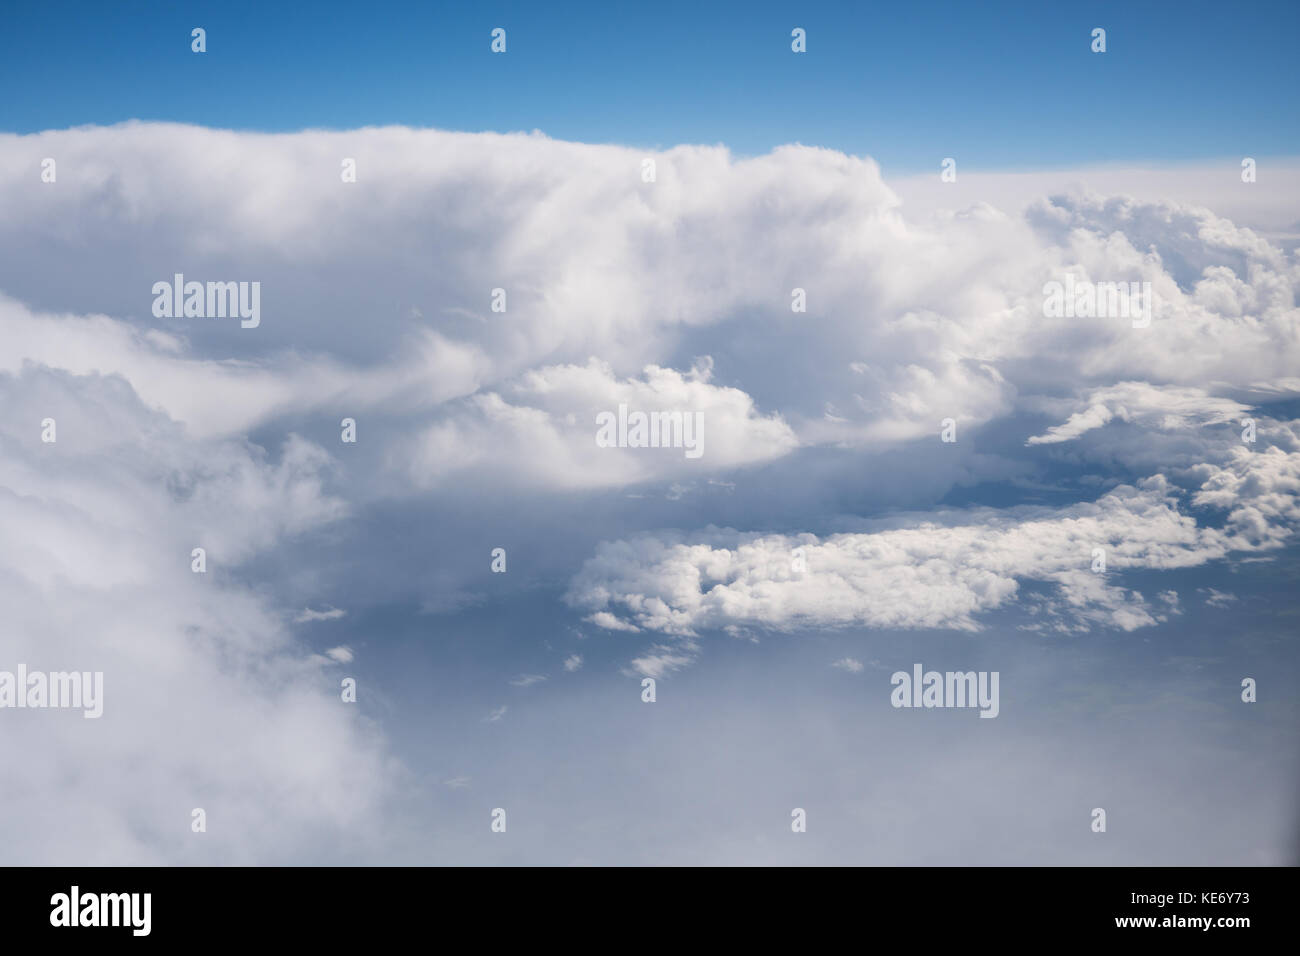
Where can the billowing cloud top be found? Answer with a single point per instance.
(473, 303)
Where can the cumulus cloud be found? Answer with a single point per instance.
(222, 395)
(376, 304)
(942, 569)
(552, 423)
(613, 287)
(1201, 185)
(207, 698)
(928, 575)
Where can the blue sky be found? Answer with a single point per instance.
(999, 85)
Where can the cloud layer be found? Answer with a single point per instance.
(672, 295)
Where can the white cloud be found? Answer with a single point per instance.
(1215, 185)
(1217, 598)
(1259, 490)
(573, 662)
(609, 622)
(911, 319)
(849, 664)
(675, 294)
(307, 615)
(222, 396)
(207, 696)
(661, 660)
(1169, 408)
(553, 428)
(944, 569)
